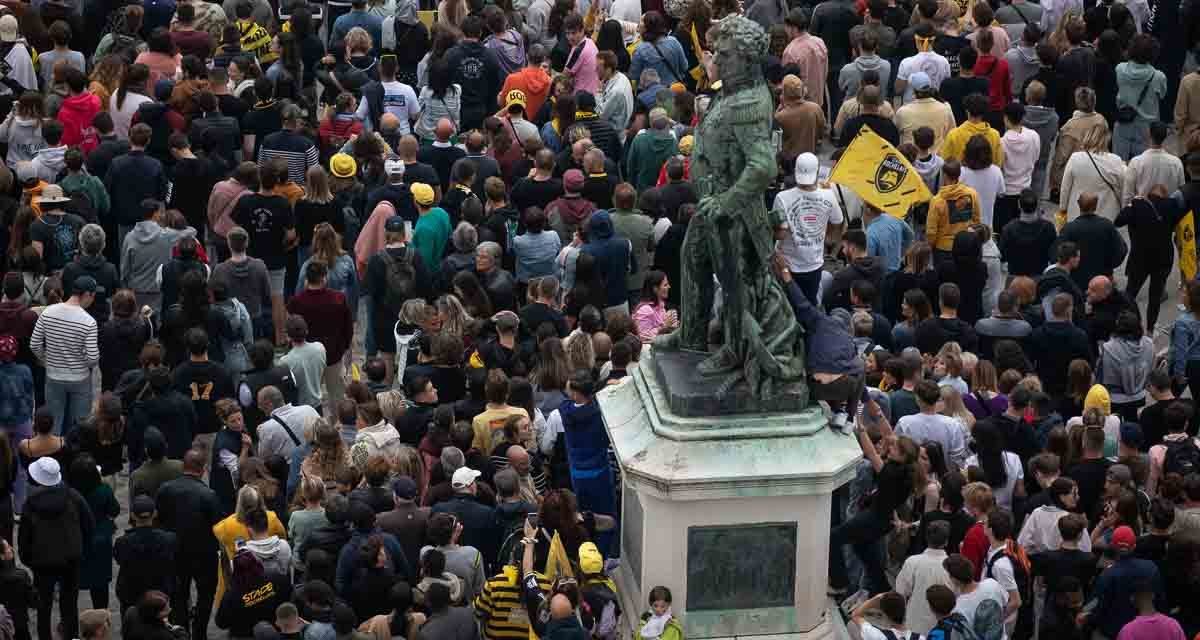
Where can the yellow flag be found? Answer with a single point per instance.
(880, 175)
(1185, 241)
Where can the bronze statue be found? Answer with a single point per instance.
(731, 236)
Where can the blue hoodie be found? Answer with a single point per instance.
(612, 253)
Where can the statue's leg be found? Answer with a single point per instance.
(696, 291)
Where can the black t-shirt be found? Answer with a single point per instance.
(894, 485)
(261, 121)
(232, 106)
(1089, 475)
(204, 383)
(1060, 563)
(267, 219)
(415, 172)
(441, 159)
(960, 523)
(192, 181)
(534, 193)
(956, 87)
(309, 214)
(536, 313)
(59, 235)
(879, 124)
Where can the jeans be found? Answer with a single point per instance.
(17, 433)
(1129, 138)
(67, 580)
(335, 387)
(862, 532)
(1136, 274)
(810, 285)
(202, 568)
(369, 347)
(69, 402)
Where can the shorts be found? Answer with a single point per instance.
(276, 276)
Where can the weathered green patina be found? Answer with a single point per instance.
(730, 236)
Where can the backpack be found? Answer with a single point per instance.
(125, 46)
(1021, 575)
(401, 278)
(952, 627)
(1182, 457)
(989, 620)
(59, 540)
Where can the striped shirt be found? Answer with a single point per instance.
(298, 150)
(65, 339)
(500, 608)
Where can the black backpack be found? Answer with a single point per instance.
(1182, 457)
(401, 278)
(59, 539)
(1024, 587)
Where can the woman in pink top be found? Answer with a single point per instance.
(162, 58)
(651, 315)
(581, 62)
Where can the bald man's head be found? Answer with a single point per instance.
(388, 123)
(593, 161)
(518, 459)
(1099, 288)
(1088, 202)
(560, 607)
(444, 130)
(544, 160)
(475, 142)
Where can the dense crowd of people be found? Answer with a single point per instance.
(335, 287)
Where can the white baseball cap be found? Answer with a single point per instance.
(46, 472)
(464, 477)
(807, 167)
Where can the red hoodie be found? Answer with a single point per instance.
(76, 117)
(1000, 82)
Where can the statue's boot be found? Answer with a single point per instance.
(723, 361)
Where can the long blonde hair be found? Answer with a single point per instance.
(326, 244)
(316, 185)
(952, 405)
(329, 454)
(455, 319)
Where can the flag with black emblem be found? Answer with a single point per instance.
(880, 174)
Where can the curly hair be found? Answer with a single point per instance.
(749, 38)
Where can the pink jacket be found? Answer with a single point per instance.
(649, 319)
(225, 195)
(372, 238)
(584, 68)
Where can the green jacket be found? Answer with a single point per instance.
(650, 149)
(673, 631)
(92, 187)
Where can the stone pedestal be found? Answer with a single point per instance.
(730, 511)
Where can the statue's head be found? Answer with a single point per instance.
(739, 48)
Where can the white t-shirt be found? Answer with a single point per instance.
(806, 214)
(988, 589)
(1002, 572)
(869, 631)
(934, 64)
(989, 184)
(1012, 467)
(399, 100)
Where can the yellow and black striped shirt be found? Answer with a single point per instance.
(500, 606)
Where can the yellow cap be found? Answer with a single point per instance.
(590, 560)
(514, 97)
(342, 165)
(422, 193)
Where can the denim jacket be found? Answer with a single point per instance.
(1185, 342)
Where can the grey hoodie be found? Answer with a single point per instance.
(851, 75)
(237, 359)
(49, 161)
(1043, 120)
(23, 137)
(930, 171)
(247, 281)
(1124, 366)
(146, 247)
(1022, 65)
(275, 554)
